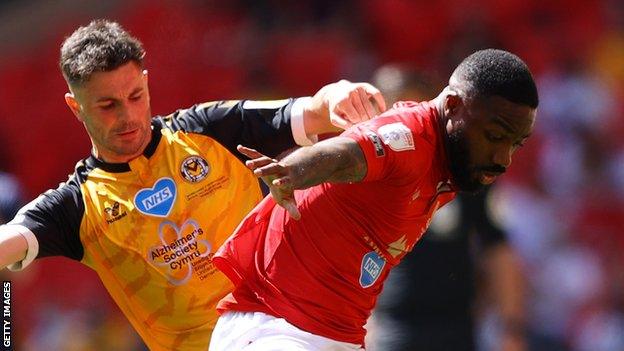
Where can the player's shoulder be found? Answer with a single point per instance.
(180, 120)
(169, 121)
(419, 119)
(416, 114)
(66, 197)
(72, 185)
(198, 117)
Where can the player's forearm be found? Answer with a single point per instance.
(13, 246)
(335, 160)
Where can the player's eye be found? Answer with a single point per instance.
(108, 106)
(520, 143)
(494, 137)
(136, 97)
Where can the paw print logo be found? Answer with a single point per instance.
(178, 250)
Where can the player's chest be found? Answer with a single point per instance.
(179, 195)
(412, 216)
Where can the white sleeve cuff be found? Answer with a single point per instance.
(297, 124)
(33, 248)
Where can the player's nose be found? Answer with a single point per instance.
(502, 156)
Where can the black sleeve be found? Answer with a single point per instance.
(262, 125)
(477, 208)
(55, 217)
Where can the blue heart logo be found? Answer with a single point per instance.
(157, 200)
(372, 266)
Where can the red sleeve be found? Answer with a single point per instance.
(393, 145)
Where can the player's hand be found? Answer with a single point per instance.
(342, 104)
(276, 176)
(349, 103)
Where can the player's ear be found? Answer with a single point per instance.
(73, 105)
(146, 79)
(453, 110)
(452, 104)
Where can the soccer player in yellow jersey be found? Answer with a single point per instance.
(158, 195)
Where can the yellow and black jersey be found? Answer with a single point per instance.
(149, 227)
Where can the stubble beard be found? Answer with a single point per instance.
(459, 156)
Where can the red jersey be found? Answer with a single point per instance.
(324, 272)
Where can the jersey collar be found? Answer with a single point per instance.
(94, 162)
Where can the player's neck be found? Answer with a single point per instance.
(439, 102)
(112, 157)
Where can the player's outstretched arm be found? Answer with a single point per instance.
(273, 127)
(335, 160)
(13, 246)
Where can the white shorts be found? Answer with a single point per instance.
(256, 331)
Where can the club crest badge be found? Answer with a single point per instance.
(397, 136)
(371, 269)
(158, 200)
(194, 169)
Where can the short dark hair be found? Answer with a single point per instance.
(100, 46)
(492, 72)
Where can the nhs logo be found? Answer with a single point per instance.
(372, 266)
(157, 200)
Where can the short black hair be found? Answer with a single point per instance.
(493, 72)
(100, 46)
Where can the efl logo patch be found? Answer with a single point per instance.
(372, 266)
(158, 200)
(194, 169)
(397, 136)
(379, 150)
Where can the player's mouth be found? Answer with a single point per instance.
(128, 133)
(487, 178)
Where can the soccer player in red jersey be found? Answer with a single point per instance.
(308, 272)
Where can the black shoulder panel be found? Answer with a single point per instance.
(263, 125)
(55, 216)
